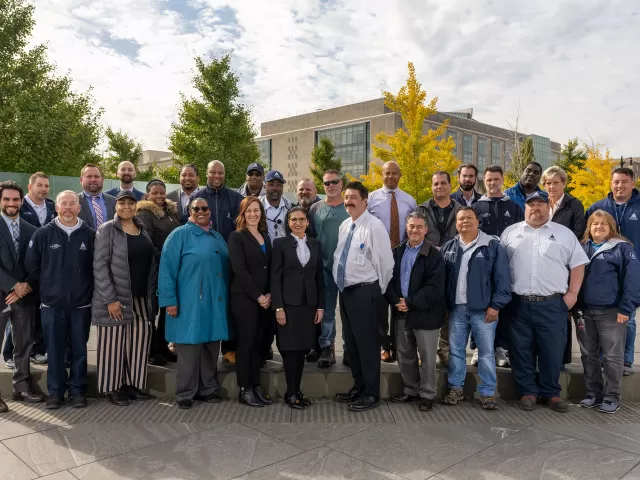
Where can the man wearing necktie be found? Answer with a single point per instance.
(362, 269)
(391, 206)
(96, 207)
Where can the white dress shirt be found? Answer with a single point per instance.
(302, 250)
(379, 205)
(370, 257)
(276, 218)
(540, 258)
(41, 210)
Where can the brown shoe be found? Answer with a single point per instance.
(488, 402)
(3, 406)
(444, 358)
(386, 357)
(557, 404)
(453, 396)
(527, 402)
(230, 358)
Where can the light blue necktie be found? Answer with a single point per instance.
(15, 233)
(343, 258)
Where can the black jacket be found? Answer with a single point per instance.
(63, 265)
(85, 209)
(251, 268)
(496, 216)
(426, 288)
(291, 283)
(570, 213)
(28, 214)
(458, 196)
(224, 204)
(12, 269)
(158, 222)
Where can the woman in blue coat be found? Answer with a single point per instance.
(193, 286)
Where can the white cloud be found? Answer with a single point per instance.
(572, 65)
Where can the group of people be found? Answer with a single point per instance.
(185, 276)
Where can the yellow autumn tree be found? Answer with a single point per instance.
(419, 155)
(592, 182)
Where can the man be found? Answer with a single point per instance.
(255, 181)
(306, 193)
(391, 206)
(17, 300)
(467, 178)
(529, 183)
(95, 207)
(188, 184)
(224, 204)
(547, 267)
(60, 256)
(127, 174)
(275, 205)
(362, 269)
(416, 294)
(326, 217)
(441, 217)
(623, 203)
(478, 287)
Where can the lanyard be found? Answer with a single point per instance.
(621, 218)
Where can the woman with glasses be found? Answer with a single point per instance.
(194, 274)
(250, 257)
(297, 296)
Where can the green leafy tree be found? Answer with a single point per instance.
(121, 148)
(572, 155)
(44, 124)
(323, 158)
(170, 174)
(522, 156)
(217, 124)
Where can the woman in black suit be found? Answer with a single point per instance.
(297, 296)
(250, 257)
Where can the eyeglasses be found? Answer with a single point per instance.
(200, 209)
(254, 173)
(331, 182)
(297, 220)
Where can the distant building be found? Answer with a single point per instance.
(155, 157)
(286, 144)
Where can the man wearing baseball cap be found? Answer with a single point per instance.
(275, 205)
(547, 268)
(255, 181)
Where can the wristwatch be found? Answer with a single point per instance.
(279, 309)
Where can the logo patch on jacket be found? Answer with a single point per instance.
(506, 214)
(552, 237)
(54, 246)
(633, 217)
(82, 246)
(479, 255)
(632, 255)
(27, 213)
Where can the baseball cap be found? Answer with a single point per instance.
(275, 175)
(255, 166)
(126, 194)
(542, 196)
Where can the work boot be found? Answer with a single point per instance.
(327, 357)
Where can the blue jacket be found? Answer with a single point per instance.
(630, 221)
(28, 214)
(488, 277)
(516, 193)
(136, 193)
(612, 278)
(63, 265)
(194, 276)
(457, 196)
(496, 216)
(224, 204)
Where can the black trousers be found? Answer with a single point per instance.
(159, 344)
(358, 309)
(387, 335)
(251, 324)
(293, 362)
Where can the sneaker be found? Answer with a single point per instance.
(312, 356)
(230, 358)
(78, 401)
(327, 357)
(54, 403)
(590, 401)
(488, 402)
(628, 369)
(557, 404)
(502, 360)
(39, 359)
(453, 396)
(609, 406)
(528, 402)
(474, 359)
(10, 364)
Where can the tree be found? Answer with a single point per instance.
(592, 181)
(216, 125)
(571, 154)
(44, 124)
(323, 158)
(121, 148)
(170, 174)
(419, 155)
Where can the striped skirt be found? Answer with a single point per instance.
(123, 351)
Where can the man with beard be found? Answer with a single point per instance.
(254, 184)
(38, 209)
(466, 195)
(307, 194)
(127, 174)
(17, 300)
(188, 185)
(95, 207)
(528, 184)
(275, 205)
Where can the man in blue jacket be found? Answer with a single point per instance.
(478, 286)
(529, 181)
(467, 195)
(60, 256)
(623, 203)
(127, 174)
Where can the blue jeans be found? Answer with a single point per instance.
(630, 343)
(461, 322)
(60, 327)
(328, 335)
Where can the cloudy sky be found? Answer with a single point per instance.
(573, 66)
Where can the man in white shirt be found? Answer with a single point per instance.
(188, 184)
(547, 268)
(275, 205)
(391, 206)
(362, 268)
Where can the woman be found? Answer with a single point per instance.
(297, 296)
(125, 281)
(159, 217)
(608, 297)
(250, 255)
(194, 273)
(568, 211)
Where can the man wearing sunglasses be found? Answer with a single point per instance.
(254, 184)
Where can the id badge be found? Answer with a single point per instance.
(360, 257)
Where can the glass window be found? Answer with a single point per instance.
(351, 144)
(467, 149)
(495, 152)
(482, 154)
(264, 146)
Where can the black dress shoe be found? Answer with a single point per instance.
(426, 405)
(136, 394)
(78, 401)
(247, 397)
(364, 402)
(305, 401)
(294, 402)
(185, 404)
(3, 406)
(351, 396)
(157, 359)
(263, 397)
(119, 398)
(345, 360)
(404, 398)
(28, 397)
(54, 403)
(211, 398)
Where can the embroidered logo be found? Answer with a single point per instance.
(479, 255)
(82, 246)
(54, 246)
(520, 236)
(633, 217)
(27, 212)
(632, 255)
(507, 214)
(552, 238)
